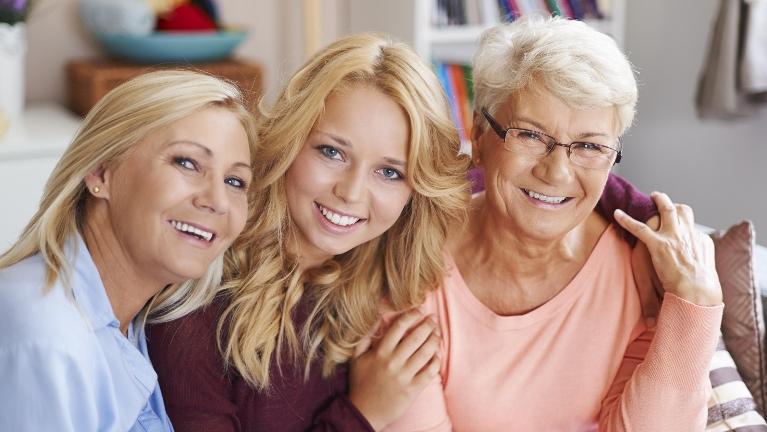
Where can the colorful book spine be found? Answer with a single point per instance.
(577, 9)
(461, 100)
(554, 7)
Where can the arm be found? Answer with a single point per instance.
(190, 371)
(45, 388)
(339, 416)
(385, 379)
(663, 384)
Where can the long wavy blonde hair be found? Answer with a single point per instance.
(119, 120)
(345, 292)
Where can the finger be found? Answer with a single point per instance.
(412, 342)
(397, 331)
(644, 233)
(422, 355)
(428, 373)
(643, 270)
(666, 208)
(685, 214)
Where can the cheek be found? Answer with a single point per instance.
(389, 203)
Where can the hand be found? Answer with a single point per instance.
(682, 256)
(648, 285)
(385, 379)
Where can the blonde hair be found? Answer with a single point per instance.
(576, 63)
(119, 120)
(345, 292)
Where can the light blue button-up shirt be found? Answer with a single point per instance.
(64, 364)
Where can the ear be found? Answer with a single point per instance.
(476, 133)
(98, 182)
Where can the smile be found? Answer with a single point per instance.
(337, 218)
(194, 231)
(546, 198)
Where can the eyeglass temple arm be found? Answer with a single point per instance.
(494, 124)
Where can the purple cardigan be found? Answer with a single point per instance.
(200, 395)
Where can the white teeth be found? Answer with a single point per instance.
(190, 229)
(545, 198)
(337, 218)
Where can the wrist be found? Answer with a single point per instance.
(376, 423)
(698, 295)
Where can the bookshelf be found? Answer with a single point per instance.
(448, 39)
(412, 21)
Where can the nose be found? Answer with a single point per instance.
(351, 185)
(555, 167)
(212, 197)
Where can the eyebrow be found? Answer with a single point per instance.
(346, 143)
(584, 135)
(208, 152)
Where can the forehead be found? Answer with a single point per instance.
(218, 129)
(368, 118)
(537, 103)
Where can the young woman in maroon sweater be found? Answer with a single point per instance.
(357, 183)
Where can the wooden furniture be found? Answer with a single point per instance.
(90, 79)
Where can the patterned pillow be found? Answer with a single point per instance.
(743, 326)
(731, 407)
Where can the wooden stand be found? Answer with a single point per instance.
(90, 79)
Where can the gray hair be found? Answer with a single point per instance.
(576, 63)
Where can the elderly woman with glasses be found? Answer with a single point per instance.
(540, 316)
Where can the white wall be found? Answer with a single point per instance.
(718, 167)
(55, 36)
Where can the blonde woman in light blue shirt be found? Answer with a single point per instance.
(135, 218)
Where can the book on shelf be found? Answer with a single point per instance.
(489, 12)
(456, 80)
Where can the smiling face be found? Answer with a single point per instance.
(178, 199)
(543, 197)
(347, 184)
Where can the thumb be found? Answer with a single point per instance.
(639, 230)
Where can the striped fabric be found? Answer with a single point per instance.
(731, 407)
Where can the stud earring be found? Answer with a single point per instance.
(96, 189)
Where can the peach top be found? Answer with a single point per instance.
(580, 360)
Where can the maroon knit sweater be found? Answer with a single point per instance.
(201, 396)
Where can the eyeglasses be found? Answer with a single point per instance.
(583, 154)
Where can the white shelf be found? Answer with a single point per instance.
(28, 152)
(43, 130)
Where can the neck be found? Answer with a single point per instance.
(512, 273)
(128, 288)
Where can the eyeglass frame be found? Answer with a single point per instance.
(552, 142)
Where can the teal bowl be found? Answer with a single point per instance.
(172, 47)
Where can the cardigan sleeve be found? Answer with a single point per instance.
(196, 390)
(620, 194)
(663, 382)
(340, 415)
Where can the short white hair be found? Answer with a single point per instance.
(576, 63)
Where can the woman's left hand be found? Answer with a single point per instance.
(682, 256)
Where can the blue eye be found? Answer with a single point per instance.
(185, 163)
(235, 182)
(390, 174)
(330, 152)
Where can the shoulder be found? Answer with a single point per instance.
(189, 339)
(30, 313)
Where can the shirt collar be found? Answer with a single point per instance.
(87, 287)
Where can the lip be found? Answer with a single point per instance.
(544, 205)
(333, 228)
(194, 241)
